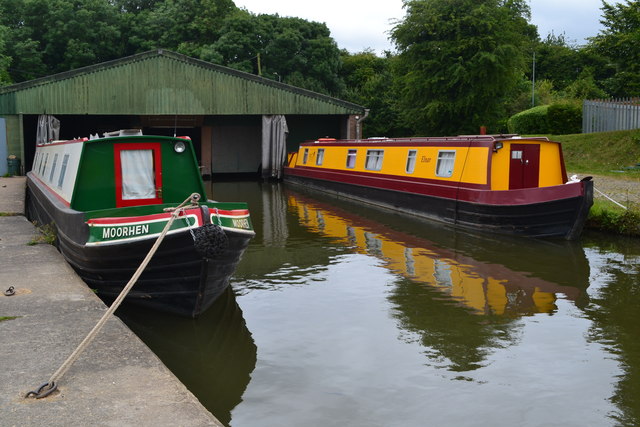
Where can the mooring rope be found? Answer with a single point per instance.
(622, 206)
(50, 386)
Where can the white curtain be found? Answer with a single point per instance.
(48, 129)
(274, 145)
(138, 178)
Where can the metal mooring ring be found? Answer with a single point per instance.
(10, 291)
(41, 392)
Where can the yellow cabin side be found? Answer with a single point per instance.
(470, 164)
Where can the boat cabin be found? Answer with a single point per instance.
(504, 162)
(89, 174)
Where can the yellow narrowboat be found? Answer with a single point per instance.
(498, 183)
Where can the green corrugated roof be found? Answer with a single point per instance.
(164, 82)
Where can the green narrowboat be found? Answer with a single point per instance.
(110, 198)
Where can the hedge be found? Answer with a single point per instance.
(555, 119)
(531, 121)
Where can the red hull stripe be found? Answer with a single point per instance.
(448, 190)
(53, 193)
(145, 218)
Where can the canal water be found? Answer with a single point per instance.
(346, 315)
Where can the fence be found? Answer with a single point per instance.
(602, 115)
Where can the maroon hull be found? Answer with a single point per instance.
(557, 211)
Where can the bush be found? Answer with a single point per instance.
(556, 119)
(564, 119)
(531, 121)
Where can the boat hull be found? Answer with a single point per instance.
(178, 279)
(558, 211)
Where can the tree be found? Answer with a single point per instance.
(49, 36)
(459, 61)
(291, 50)
(5, 60)
(619, 41)
(369, 82)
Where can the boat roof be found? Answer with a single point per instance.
(114, 135)
(423, 140)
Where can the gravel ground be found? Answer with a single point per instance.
(623, 191)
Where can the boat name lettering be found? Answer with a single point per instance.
(241, 223)
(125, 231)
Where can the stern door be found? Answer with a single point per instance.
(524, 167)
(138, 174)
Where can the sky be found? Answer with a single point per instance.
(360, 24)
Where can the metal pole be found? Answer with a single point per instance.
(533, 82)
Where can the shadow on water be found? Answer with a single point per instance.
(213, 355)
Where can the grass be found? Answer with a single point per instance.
(47, 235)
(608, 217)
(602, 153)
(3, 318)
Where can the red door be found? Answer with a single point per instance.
(524, 168)
(138, 174)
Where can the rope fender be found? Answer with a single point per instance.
(210, 240)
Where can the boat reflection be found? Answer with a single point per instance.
(456, 293)
(484, 286)
(213, 356)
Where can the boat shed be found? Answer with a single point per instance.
(234, 119)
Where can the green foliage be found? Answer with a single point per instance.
(3, 318)
(369, 81)
(48, 234)
(565, 118)
(585, 87)
(619, 42)
(605, 216)
(291, 50)
(531, 121)
(459, 61)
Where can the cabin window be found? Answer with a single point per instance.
(305, 156)
(63, 170)
(444, 166)
(53, 168)
(320, 157)
(351, 159)
(138, 176)
(374, 160)
(411, 161)
(44, 165)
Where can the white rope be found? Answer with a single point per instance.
(87, 340)
(622, 206)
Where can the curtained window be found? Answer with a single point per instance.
(138, 177)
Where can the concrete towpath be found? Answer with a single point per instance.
(117, 381)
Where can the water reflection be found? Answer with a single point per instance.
(362, 317)
(213, 355)
(483, 287)
(616, 317)
(442, 288)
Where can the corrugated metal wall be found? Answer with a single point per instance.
(163, 82)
